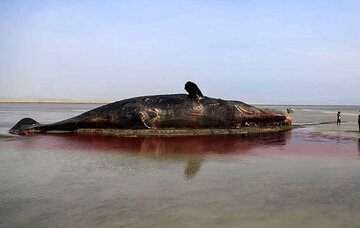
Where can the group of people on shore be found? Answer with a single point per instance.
(338, 119)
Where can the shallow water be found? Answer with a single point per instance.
(308, 177)
(322, 119)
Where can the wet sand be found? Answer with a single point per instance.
(307, 177)
(285, 179)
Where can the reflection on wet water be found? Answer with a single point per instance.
(192, 167)
(277, 180)
(156, 145)
(196, 146)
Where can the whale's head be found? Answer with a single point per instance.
(249, 116)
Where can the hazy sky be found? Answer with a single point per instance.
(298, 52)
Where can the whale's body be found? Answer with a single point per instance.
(177, 111)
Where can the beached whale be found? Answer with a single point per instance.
(177, 111)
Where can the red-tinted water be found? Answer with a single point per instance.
(285, 143)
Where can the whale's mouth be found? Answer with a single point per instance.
(265, 121)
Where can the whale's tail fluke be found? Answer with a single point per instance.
(22, 126)
(193, 90)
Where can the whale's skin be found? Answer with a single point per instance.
(177, 111)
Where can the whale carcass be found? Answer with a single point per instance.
(183, 114)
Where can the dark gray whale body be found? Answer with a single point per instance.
(178, 111)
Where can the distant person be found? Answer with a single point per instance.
(359, 120)
(338, 119)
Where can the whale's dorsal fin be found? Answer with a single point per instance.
(193, 90)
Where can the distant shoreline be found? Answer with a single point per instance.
(52, 102)
(107, 102)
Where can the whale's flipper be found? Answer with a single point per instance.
(193, 90)
(22, 125)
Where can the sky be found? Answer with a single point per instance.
(272, 52)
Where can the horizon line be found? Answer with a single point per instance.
(107, 102)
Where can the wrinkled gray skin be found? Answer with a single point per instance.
(179, 111)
